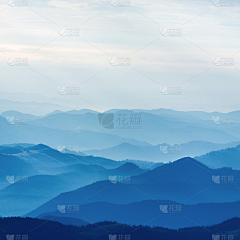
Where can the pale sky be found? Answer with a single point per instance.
(188, 48)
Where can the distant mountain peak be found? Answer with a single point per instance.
(181, 166)
(187, 160)
(128, 166)
(39, 147)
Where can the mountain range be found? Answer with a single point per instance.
(185, 181)
(41, 173)
(153, 213)
(229, 157)
(143, 128)
(120, 164)
(161, 152)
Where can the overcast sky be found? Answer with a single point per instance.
(175, 54)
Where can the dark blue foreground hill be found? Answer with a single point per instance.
(41, 229)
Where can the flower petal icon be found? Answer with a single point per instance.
(62, 208)
(106, 120)
(164, 208)
(216, 179)
(10, 179)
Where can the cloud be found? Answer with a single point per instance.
(135, 32)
